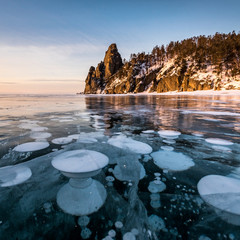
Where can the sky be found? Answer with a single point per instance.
(48, 46)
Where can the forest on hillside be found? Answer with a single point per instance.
(222, 51)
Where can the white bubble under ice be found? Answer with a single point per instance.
(156, 223)
(120, 176)
(83, 221)
(156, 186)
(172, 161)
(221, 192)
(40, 135)
(112, 233)
(14, 175)
(169, 134)
(218, 141)
(31, 146)
(62, 140)
(78, 161)
(86, 233)
(118, 224)
(130, 144)
(129, 236)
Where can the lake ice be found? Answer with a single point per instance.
(173, 169)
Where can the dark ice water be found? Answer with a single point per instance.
(185, 215)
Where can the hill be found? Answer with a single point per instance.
(197, 63)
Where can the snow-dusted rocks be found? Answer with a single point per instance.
(14, 175)
(218, 141)
(130, 144)
(221, 192)
(31, 146)
(172, 161)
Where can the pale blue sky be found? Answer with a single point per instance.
(49, 45)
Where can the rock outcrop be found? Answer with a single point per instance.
(98, 78)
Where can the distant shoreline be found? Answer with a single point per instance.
(192, 93)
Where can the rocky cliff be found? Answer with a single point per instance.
(167, 69)
(98, 78)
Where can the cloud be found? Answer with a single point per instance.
(8, 82)
(55, 62)
(54, 80)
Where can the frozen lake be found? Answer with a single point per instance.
(164, 151)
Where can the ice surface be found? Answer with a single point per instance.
(31, 146)
(62, 140)
(218, 141)
(130, 144)
(221, 148)
(221, 192)
(78, 161)
(74, 136)
(173, 161)
(169, 134)
(86, 140)
(14, 175)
